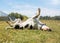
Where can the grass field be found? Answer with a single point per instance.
(30, 36)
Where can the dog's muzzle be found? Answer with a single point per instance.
(46, 28)
(49, 30)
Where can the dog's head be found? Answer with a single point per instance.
(46, 28)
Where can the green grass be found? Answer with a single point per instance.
(30, 36)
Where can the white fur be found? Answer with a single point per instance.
(34, 21)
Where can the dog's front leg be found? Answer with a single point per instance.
(9, 27)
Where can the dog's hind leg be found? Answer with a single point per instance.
(38, 13)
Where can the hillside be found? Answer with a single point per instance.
(3, 14)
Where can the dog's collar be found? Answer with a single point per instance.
(42, 25)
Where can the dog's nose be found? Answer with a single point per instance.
(49, 30)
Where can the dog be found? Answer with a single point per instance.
(32, 23)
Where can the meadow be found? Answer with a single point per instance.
(31, 36)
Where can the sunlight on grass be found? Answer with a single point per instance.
(30, 36)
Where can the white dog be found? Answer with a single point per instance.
(32, 23)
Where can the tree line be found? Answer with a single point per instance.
(23, 17)
(50, 18)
